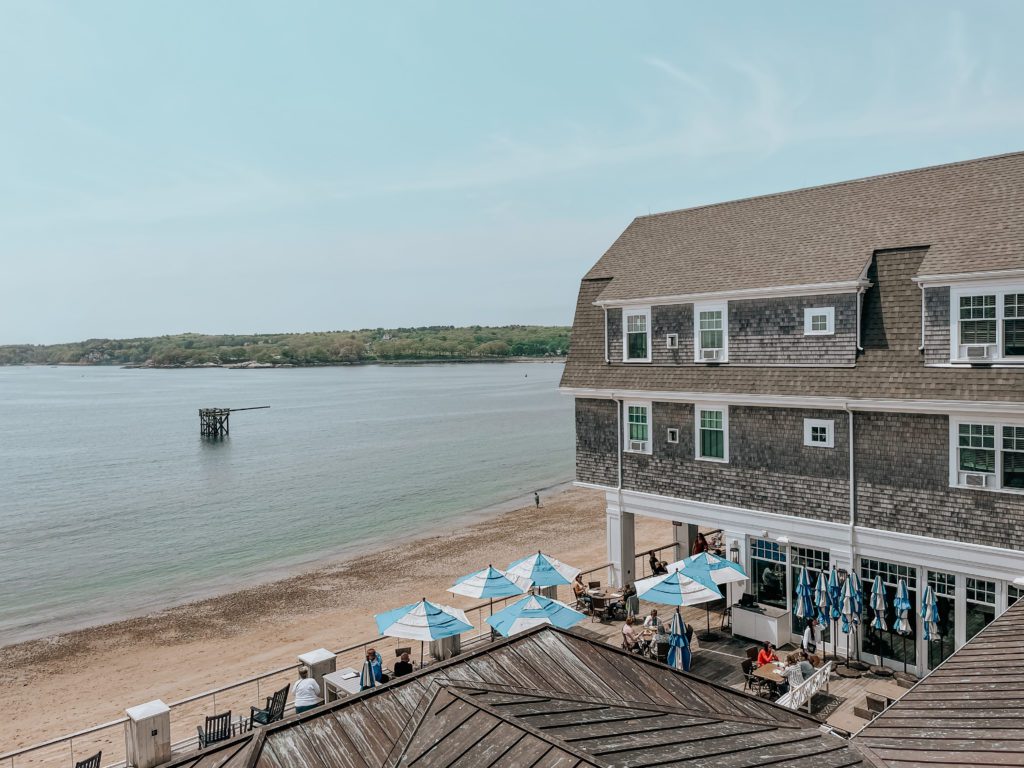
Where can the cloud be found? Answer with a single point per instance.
(677, 74)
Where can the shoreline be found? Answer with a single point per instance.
(284, 570)
(252, 365)
(63, 683)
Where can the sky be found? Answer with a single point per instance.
(249, 167)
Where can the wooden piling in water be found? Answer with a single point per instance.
(215, 422)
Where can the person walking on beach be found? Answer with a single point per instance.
(536, 499)
(307, 692)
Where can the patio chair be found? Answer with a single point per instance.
(218, 728)
(598, 607)
(661, 651)
(274, 710)
(632, 605)
(400, 651)
(90, 762)
(752, 682)
(593, 585)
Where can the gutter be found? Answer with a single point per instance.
(808, 289)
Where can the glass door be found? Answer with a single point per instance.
(893, 649)
(940, 647)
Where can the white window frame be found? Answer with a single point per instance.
(996, 477)
(646, 404)
(671, 341)
(830, 321)
(699, 408)
(711, 306)
(957, 352)
(672, 435)
(628, 312)
(828, 424)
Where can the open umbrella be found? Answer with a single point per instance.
(677, 588)
(366, 679)
(532, 611)
(543, 570)
(678, 647)
(490, 583)
(422, 621)
(902, 605)
(722, 572)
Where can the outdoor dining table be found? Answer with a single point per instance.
(340, 684)
(770, 672)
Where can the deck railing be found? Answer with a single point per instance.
(804, 693)
(186, 714)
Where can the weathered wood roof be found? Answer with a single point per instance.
(969, 711)
(544, 698)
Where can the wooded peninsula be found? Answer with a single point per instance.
(437, 342)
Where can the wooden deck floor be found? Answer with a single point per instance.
(719, 662)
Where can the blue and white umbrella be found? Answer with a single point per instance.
(930, 614)
(366, 679)
(848, 609)
(678, 646)
(835, 595)
(878, 605)
(722, 571)
(803, 606)
(902, 605)
(532, 611)
(423, 621)
(490, 583)
(821, 598)
(677, 588)
(543, 570)
(858, 598)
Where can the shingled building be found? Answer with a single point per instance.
(833, 376)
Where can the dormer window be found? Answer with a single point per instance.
(636, 338)
(988, 325)
(819, 321)
(711, 332)
(1013, 324)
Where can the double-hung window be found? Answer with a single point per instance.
(988, 456)
(712, 433)
(989, 325)
(711, 332)
(636, 335)
(638, 428)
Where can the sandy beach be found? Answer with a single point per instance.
(75, 680)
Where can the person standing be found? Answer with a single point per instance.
(536, 499)
(307, 692)
(377, 665)
(812, 637)
(699, 545)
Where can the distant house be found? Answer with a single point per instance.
(833, 376)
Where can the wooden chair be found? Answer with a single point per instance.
(90, 762)
(660, 648)
(598, 607)
(752, 652)
(218, 728)
(593, 585)
(273, 711)
(752, 682)
(400, 651)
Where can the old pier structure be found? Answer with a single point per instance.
(216, 422)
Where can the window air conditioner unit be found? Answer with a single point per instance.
(637, 445)
(711, 354)
(979, 351)
(975, 479)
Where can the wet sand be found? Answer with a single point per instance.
(72, 681)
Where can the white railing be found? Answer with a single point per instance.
(804, 693)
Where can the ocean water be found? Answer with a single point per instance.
(112, 505)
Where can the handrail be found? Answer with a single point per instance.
(804, 693)
(255, 678)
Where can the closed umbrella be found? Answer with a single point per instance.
(532, 611)
(366, 679)
(848, 609)
(902, 606)
(878, 604)
(678, 647)
(803, 606)
(722, 572)
(543, 570)
(835, 602)
(930, 617)
(490, 583)
(821, 598)
(422, 621)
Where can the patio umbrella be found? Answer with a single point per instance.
(422, 621)
(543, 570)
(835, 600)
(366, 679)
(902, 605)
(532, 611)
(930, 617)
(821, 598)
(490, 583)
(722, 572)
(678, 648)
(878, 605)
(803, 606)
(677, 588)
(848, 609)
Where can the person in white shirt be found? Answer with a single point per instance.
(307, 692)
(653, 622)
(812, 637)
(792, 672)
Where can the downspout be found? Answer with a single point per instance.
(853, 490)
(860, 309)
(921, 348)
(606, 358)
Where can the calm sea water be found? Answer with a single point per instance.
(112, 505)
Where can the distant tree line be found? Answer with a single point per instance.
(437, 342)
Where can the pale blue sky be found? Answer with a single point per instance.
(287, 166)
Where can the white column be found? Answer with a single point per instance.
(683, 534)
(621, 545)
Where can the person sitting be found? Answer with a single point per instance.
(630, 639)
(767, 654)
(579, 589)
(307, 692)
(653, 622)
(620, 607)
(377, 665)
(658, 567)
(792, 672)
(403, 666)
(806, 666)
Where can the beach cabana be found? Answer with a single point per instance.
(532, 611)
(424, 621)
(490, 583)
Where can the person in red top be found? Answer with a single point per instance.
(699, 545)
(766, 655)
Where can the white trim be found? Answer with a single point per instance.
(698, 352)
(938, 281)
(996, 477)
(830, 321)
(810, 289)
(646, 404)
(635, 312)
(699, 408)
(828, 424)
(945, 407)
(668, 435)
(669, 339)
(999, 290)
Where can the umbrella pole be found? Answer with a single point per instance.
(904, 654)
(421, 654)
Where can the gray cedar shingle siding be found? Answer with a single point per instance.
(672, 318)
(971, 214)
(596, 442)
(615, 335)
(936, 325)
(771, 331)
